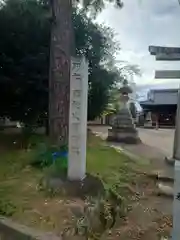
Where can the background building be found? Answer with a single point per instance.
(161, 104)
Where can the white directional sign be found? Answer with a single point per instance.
(167, 74)
(78, 119)
(168, 57)
(154, 50)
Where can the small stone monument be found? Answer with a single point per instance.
(122, 127)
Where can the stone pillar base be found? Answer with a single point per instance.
(129, 136)
(176, 205)
(170, 161)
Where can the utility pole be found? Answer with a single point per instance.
(59, 72)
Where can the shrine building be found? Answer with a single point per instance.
(160, 106)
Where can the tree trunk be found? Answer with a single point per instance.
(59, 75)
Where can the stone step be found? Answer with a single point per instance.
(163, 175)
(170, 161)
(165, 189)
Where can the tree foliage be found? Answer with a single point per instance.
(24, 60)
(96, 6)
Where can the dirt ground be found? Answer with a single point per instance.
(151, 215)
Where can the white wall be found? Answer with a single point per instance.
(165, 97)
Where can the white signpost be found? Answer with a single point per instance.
(167, 74)
(172, 54)
(156, 50)
(168, 57)
(78, 119)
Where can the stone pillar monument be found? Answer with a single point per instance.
(78, 119)
(122, 127)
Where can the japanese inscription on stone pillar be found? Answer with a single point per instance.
(78, 119)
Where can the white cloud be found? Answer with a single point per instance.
(142, 23)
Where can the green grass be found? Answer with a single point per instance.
(19, 181)
(116, 169)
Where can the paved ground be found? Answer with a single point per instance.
(161, 139)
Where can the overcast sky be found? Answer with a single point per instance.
(142, 23)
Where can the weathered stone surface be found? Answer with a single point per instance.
(123, 128)
(170, 161)
(90, 185)
(129, 137)
(166, 190)
(163, 175)
(13, 231)
(77, 211)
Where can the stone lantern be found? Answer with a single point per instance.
(122, 127)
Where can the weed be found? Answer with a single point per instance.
(42, 156)
(47, 156)
(19, 184)
(7, 208)
(100, 214)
